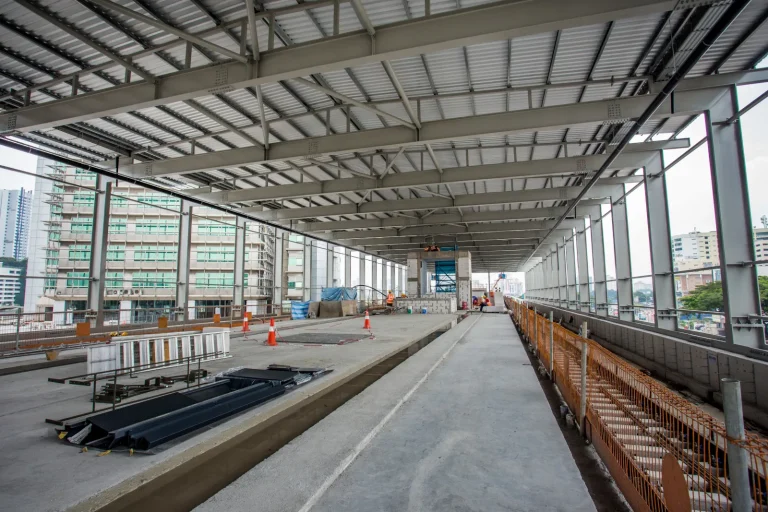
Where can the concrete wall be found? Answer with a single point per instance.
(696, 366)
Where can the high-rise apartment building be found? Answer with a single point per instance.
(697, 245)
(15, 206)
(145, 244)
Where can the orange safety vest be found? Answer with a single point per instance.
(390, 299)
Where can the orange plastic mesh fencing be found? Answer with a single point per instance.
(639, 420)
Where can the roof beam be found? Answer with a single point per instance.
(512, 245)
(527, 169)
(438, 218)
(694, 101)
(453, 29)
(430, 203)
(521, 237)
(514, 228)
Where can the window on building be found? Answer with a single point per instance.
(295, 261)
(293, 237)
(295, 285)
(116, 226)
(80, 253)
(116, 253)
(119, 201)
(82, 174)
(81, 225)
(157, 227)
(114, 280)
(154, 280)
(77, 279)
(155, 253)
(214, 280)
(216, 254)
(162, 200)
(206, 228)
(84, 198)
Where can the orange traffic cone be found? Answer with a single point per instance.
(271, 340)
(367, 323)
(245, 324)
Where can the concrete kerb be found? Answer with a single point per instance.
(197, 455)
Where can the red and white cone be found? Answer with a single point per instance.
(271, 338)
(367, 323)
(245, 324)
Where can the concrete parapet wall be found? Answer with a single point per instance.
(696, 366)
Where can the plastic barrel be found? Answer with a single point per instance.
(423, 311)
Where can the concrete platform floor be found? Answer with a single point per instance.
(40, 473)
(475, 434)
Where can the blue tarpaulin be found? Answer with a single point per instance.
(339, 294)
(299, 310)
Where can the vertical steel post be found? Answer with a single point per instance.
(552, 345)
(583, 405)
(598, 261)
(182, 264)
(99, 239)
(733, 218)
(237, 310)
(562, 275)
(622, 255)
(738, 473)
(661, 243)
(535, 332)
(581, 249)
(114, 390)
(18, 326)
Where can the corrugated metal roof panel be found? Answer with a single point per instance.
(624, 46)
(731, 35)
(488, 64)
(448, 70)
(530, 59)
(576, 52)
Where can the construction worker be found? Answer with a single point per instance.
(390, 299)
(483, 302)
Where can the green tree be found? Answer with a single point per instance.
(706, 297)
(709, 297)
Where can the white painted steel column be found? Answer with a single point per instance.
(622, 256)
(347, 268)
(182, 263)
(581, 249)
(279, 275)
(661, 243)
(738, 472)
(362, 291)
(307, 274)
(734, 225)
(572, 294)
(99, 241)
(238, 288)
(562, 275)
(598, 261)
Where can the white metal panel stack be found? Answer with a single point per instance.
(159, 350)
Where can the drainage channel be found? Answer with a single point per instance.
(194, 481)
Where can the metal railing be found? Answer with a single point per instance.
(634, 421)
(20, 332)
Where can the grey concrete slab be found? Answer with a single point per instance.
(476, 435)
(40, 473)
